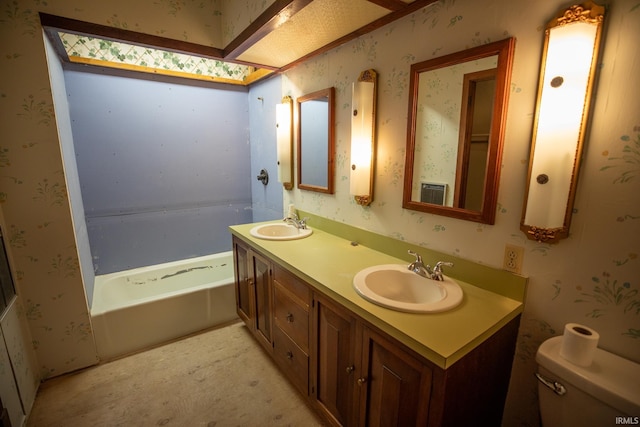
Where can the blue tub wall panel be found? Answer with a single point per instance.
(266, 200)
(122, 242)
(163, 166)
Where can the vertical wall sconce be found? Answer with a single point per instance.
(363, 123)
(284, 140)
(570, 55)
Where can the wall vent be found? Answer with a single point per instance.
(433, 193)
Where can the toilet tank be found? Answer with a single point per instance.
(605, 393)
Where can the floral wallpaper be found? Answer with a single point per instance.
(593, 277)
(238, 15)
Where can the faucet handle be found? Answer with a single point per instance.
(415, 254)
(292, 217)
(437, 270)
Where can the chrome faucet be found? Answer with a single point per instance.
(418, 266)
(300, 224)
(437, 270)
(420, 269)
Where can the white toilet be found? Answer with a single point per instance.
(607, 393)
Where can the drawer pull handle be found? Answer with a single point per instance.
(361, 381)
(289, 355)
(350, 369)
(290, 318)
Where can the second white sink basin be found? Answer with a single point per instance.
(396, 287)
(281, 231)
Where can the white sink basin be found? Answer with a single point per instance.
(279, 232)
(396, 287)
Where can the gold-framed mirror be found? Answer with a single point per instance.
(456, 121)
(316, 143)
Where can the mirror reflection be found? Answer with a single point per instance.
(315, 141)
(454, 140)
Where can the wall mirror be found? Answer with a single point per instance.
(316, 144)
(457, 114)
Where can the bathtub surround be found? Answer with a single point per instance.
(266, 200)
(161, 164)
(565, 280)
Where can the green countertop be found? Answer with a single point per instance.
(329, 263)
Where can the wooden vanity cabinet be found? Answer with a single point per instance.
(254, 291)
(335, 369)
(396, 388)
(292, 300)
(353, 373)
(363, 378)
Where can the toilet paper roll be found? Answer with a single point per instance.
(579, 344)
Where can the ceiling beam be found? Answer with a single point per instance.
(269, 20)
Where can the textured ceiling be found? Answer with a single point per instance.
(320, 23)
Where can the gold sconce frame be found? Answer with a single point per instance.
(571, 46)
(284, 141)
(363, 137)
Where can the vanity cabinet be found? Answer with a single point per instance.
(336, 371)
(354, 373)
(292, 300)
(363, 377)
(254, 291)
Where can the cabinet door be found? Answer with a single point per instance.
(336, 367)
(396, 388)
(263, 299)
(244, 282)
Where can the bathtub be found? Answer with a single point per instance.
(139, 308)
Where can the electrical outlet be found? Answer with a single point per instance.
(513, 257)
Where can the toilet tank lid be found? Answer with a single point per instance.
(610, 378)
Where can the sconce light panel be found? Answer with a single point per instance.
(571, 47)
(284, 141)
(363, 114)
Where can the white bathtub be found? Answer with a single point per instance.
(139, 308)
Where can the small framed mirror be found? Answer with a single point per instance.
(316, 143)
(457, 113)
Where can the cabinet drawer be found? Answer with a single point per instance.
(291, 317)
(293, 284)
(292, 359)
